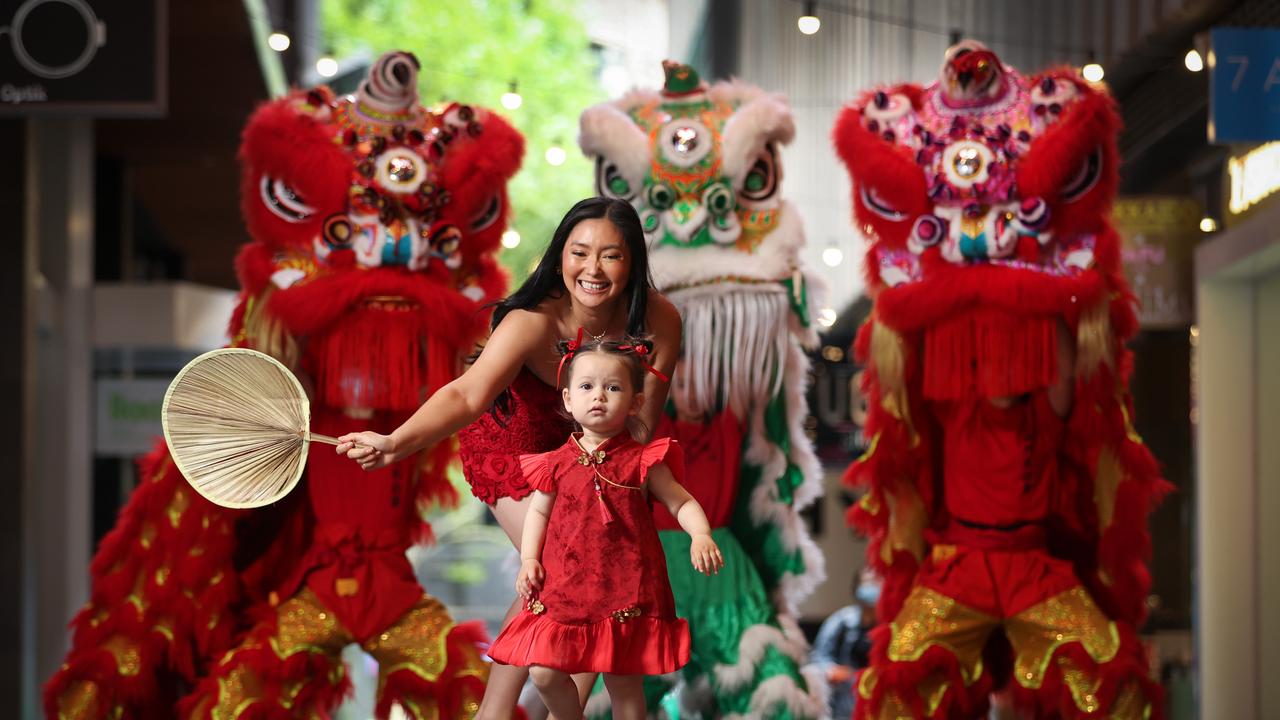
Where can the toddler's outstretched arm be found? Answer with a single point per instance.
(535, 531)
(703, 551)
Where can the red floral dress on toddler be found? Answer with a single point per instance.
(605, 604)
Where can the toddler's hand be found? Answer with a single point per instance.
(530, 578)
(705, 555)
(369, 449)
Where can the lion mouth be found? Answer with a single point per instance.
(390, 303)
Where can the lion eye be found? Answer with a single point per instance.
(283, 201)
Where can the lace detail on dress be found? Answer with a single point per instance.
(490, 452)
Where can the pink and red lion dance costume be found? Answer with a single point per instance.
(1012, 540)
(374, 224)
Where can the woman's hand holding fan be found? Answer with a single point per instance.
(369, 449)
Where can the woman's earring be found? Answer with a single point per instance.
(557, 269)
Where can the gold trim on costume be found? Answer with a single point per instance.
(1082, 684)
(1131, 704)
(1094, 340)
(867, 683)
(416, 642)
(1106, 480)
(889, 358)
(930, 618)
(1038, 631)
(907, 520)
(932, 691)
(79, 701)
(304, 624)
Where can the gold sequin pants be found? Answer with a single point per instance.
(1069, 659)
(290, 666)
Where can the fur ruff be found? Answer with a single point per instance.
(781, 690)
(607, 131)
(752, 644)
(762, 120)
(765, 505)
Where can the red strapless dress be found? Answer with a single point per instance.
(606, 603)
(489, 449)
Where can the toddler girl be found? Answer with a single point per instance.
(592, 570)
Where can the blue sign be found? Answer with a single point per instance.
(1244, 85)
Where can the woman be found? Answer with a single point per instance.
(594, 277)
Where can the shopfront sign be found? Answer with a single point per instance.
(83, 57)
(1244, 85)
(1158, 237)
(127, 417)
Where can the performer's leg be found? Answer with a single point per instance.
(928, 662)
(626, 693)
(558, 692)
(1073, 661)
(428, 665)
(289, 666)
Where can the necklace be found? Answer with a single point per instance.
(595, 337)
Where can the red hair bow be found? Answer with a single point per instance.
(642, 351)
(570, 349)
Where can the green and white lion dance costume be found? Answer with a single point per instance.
(700, 163)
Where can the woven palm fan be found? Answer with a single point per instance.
(236, 421)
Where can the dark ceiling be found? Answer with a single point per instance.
(176, 177)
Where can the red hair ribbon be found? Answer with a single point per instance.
(642, 351)
(570, 349)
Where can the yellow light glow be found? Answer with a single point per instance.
(510, 238)
(1253, 176)
(278, 41)
(1092, 72)
(808, 24)
(327, 67)
(1193, 61)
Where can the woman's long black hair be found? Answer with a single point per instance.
(545, 280)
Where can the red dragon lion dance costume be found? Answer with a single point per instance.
(1012, 540)
(374, 223)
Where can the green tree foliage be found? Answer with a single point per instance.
(471, 50)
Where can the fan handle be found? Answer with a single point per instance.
(317, 437)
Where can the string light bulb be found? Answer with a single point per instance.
(832, 256)
(555, 155)
(808, 23)
(511, 99)
(1208, 224)
(1193, 61)
(510, 238)
(278, 41)
(327, 66)
(1092, 71)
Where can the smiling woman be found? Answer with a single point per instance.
(593, 278)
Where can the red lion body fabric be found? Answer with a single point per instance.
(374, 223)
(1010, 530)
